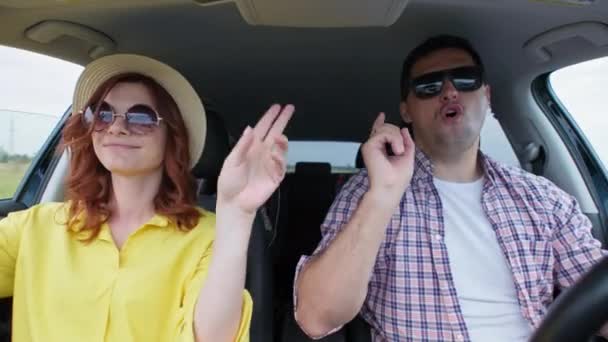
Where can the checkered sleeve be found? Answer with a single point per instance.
(339, 214)
(575, 248)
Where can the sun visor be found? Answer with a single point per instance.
(80, 37)
(594, 34)
(318, 13)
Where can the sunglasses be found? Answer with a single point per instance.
(140, 118)
(469, 78)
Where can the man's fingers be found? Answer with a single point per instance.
(389, 134)
(378, 122)
(379, 140)
(397, 145)
(407, 138)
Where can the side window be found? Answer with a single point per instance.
(34, 93)
(581, 89)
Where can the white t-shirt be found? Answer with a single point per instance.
(482, 277)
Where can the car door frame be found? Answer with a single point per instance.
(587, 160)
(35, 179)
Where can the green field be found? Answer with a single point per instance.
(10, 175)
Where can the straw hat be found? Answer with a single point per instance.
(187, 100)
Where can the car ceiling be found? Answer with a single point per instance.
(338, 78)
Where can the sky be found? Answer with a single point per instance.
(36, 90)
(582, 90)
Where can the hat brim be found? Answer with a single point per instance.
(188, 102)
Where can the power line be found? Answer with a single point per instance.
(28, 113)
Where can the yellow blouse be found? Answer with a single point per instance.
(66, 290)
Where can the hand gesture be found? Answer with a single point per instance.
(389, 173)
(256, 165)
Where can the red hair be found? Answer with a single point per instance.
(88, 184)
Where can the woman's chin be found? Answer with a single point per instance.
(132, 170)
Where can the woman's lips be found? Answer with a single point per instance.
(118, 145)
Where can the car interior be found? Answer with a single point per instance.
(338, 62)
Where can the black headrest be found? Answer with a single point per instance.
(313, 168)
(217, 148)
(359, 164)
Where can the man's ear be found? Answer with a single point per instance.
(403, 111)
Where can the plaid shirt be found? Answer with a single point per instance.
(545, 237)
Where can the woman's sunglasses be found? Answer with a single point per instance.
(469, 78)
(140, 118)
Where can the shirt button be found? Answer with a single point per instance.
(438, 237)
(459, 337)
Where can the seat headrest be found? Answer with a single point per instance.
(312, 168)
(359, 164)
(217, 148)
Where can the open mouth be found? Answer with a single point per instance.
(452, 111)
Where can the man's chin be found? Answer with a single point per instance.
(457, 144)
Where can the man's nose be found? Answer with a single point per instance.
(448, 91)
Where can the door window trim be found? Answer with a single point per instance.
(591, 169)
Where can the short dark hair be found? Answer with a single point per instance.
(429, 46)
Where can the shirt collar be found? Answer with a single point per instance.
(156, 221)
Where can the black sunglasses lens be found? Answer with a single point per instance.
(426, 90)
(463, 79)
(428, 85)
(467, 79)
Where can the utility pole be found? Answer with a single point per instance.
(11, 134)
(11, 128)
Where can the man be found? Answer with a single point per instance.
(438, 242)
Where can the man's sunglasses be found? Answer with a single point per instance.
(469, 78)
(140, 118)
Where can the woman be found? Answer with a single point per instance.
(128, 256)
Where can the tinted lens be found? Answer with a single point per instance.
(142, 119)
(428, 85)
(105, 115)
(463, 79)
(466, 79)
(101, 119)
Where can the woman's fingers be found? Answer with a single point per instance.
(281, 143)
(275, 165)
(239, 153)
(264, 124)
(281, 122)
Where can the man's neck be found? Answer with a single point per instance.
(463, 167)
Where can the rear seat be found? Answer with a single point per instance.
(310, 192)
(305, 198)
(259, 272)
